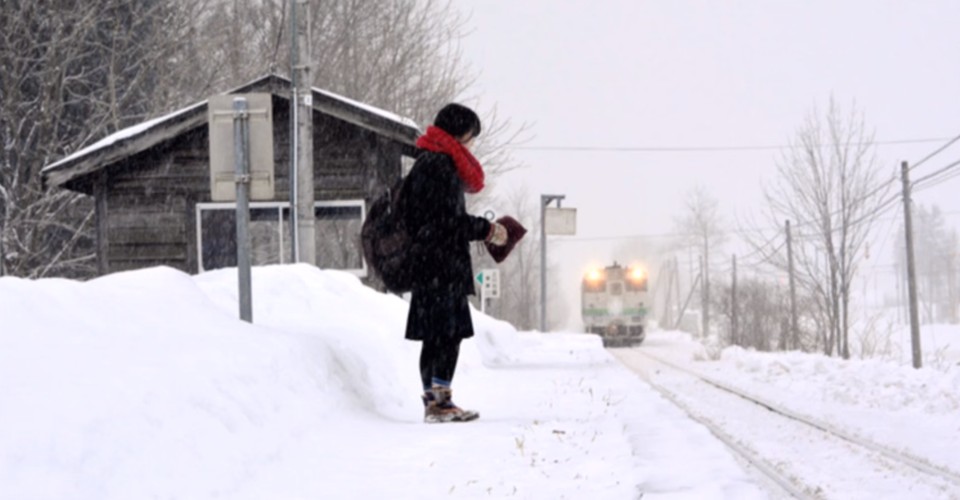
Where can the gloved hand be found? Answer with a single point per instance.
(497, 235)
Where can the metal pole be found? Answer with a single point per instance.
(483, 299)
(544, 199)
(294, 233)
(911, 268)
(241, 144)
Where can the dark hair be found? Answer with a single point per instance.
(457, 120)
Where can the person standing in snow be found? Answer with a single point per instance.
(434, 208)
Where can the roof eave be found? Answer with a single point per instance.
(61, 173)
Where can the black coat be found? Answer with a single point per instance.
(435, 213)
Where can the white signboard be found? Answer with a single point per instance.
(561, 221)
(489, 280)
(223, 177)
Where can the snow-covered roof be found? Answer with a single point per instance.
(371, 109)
(409, 128)
(120, 135)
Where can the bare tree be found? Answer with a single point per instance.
(72, 72)
(936, 250)
(762, 313)
(828, 182)
(702, 228)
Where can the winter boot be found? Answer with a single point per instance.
(439, 408)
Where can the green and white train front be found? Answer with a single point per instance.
(614, 304)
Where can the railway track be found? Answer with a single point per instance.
(798, 455)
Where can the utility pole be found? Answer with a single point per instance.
(676, 285)
(705, 295)
(794, 331)
(706, 285)
(292, 172)
(3, 253)
(734, 321)
(302, 188)
(911, 268)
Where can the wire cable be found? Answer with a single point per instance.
(936, 152)
(760, 248)
(936, 173)
(701, 149)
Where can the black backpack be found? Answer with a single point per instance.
(386, 244)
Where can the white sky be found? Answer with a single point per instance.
(144, 384)
(703, 74)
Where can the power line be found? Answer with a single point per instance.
(701, 149)
(936, 173)
(886, 204)
(883, 240)
(767, 257)
(674, 234)
(760, 248)
(881, 208)
(935, 153)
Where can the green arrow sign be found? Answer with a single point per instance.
(479, 277)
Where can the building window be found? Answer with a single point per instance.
(338, 226)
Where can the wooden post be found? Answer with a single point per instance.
(703, 298)
(705, 273)
(734, 321)
(103, 243)
(911, 268)
(676, 285)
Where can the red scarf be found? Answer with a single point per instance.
(469, 169)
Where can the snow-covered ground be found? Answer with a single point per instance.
(145, 384)
(884, 400)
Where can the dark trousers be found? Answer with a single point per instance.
(438, 359)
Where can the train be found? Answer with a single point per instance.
(614, 304)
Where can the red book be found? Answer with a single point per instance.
(515, 232)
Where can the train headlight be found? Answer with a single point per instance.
(594, 275)
(636, 279)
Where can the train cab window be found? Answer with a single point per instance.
(616, 288)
